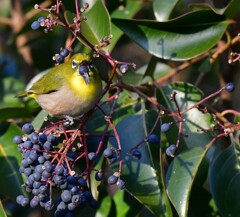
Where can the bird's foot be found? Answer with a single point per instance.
(69, 121)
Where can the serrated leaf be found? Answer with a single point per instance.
(98, 23)
(163, 9)
(182, 38)
(180, 177)
(140, 176)
(224, 180)
(10, 158)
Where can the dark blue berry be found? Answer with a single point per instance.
(40, 19)
(42, 138)
(165, 127)
(76, 199)
(93, 203)
(64, 52)
(37, 176)
(52, 139)
(82, 182)
(229, 87)
(28, 171)
(71, 206)
(121, 184)
(69, 214)
(17, 139)
(61, 206)
(108, 153)
(66, 196)
(34, 202)
(91, 155)
(48, 146)
(59, 170)
(43, 189)
(25, 201)
(59, 58)
(42, 197)
(74, 189)
(19, 199)
(112, 179)
(34, 138)
(33, 155)
(28, 128)
(98, 175)
(39, 168)
(46, 175)
(37, 184)
(48, 205)
(171, 150)
(35, 25)
(136, 154)
(41, 159)
(124, 68)
(152, 139)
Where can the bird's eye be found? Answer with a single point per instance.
(74, 64)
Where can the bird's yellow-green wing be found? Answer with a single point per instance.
(50, 82)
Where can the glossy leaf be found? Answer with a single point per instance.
(10, 159)
(224, 180)
(127, 11)
(220, 8)
(180, 177)
(179, 39)
(187, 162)
(97, 25)
(163, 9)
(188, 95)
(140, 175)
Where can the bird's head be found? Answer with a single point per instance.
(83, 65)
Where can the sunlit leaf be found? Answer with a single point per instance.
(179, 39)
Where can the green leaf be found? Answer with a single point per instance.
(179, 39)
(187, 95)
(14, 113)
(98, 23)
(163, 9)
(39, 119)
(2, 211)
(140, 176)
(10, 159)
(127, 11)
(180, 177)
(225, 179)
(8, 90)
(222, 8)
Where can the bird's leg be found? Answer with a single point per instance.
(69, 120)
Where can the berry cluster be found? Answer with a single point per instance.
(45, 172)
(59, 58)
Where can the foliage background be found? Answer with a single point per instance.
(176, 41)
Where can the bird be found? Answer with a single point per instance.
(70, 89)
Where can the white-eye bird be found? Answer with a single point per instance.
(69, 89)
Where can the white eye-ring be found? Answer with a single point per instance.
(74, 64)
